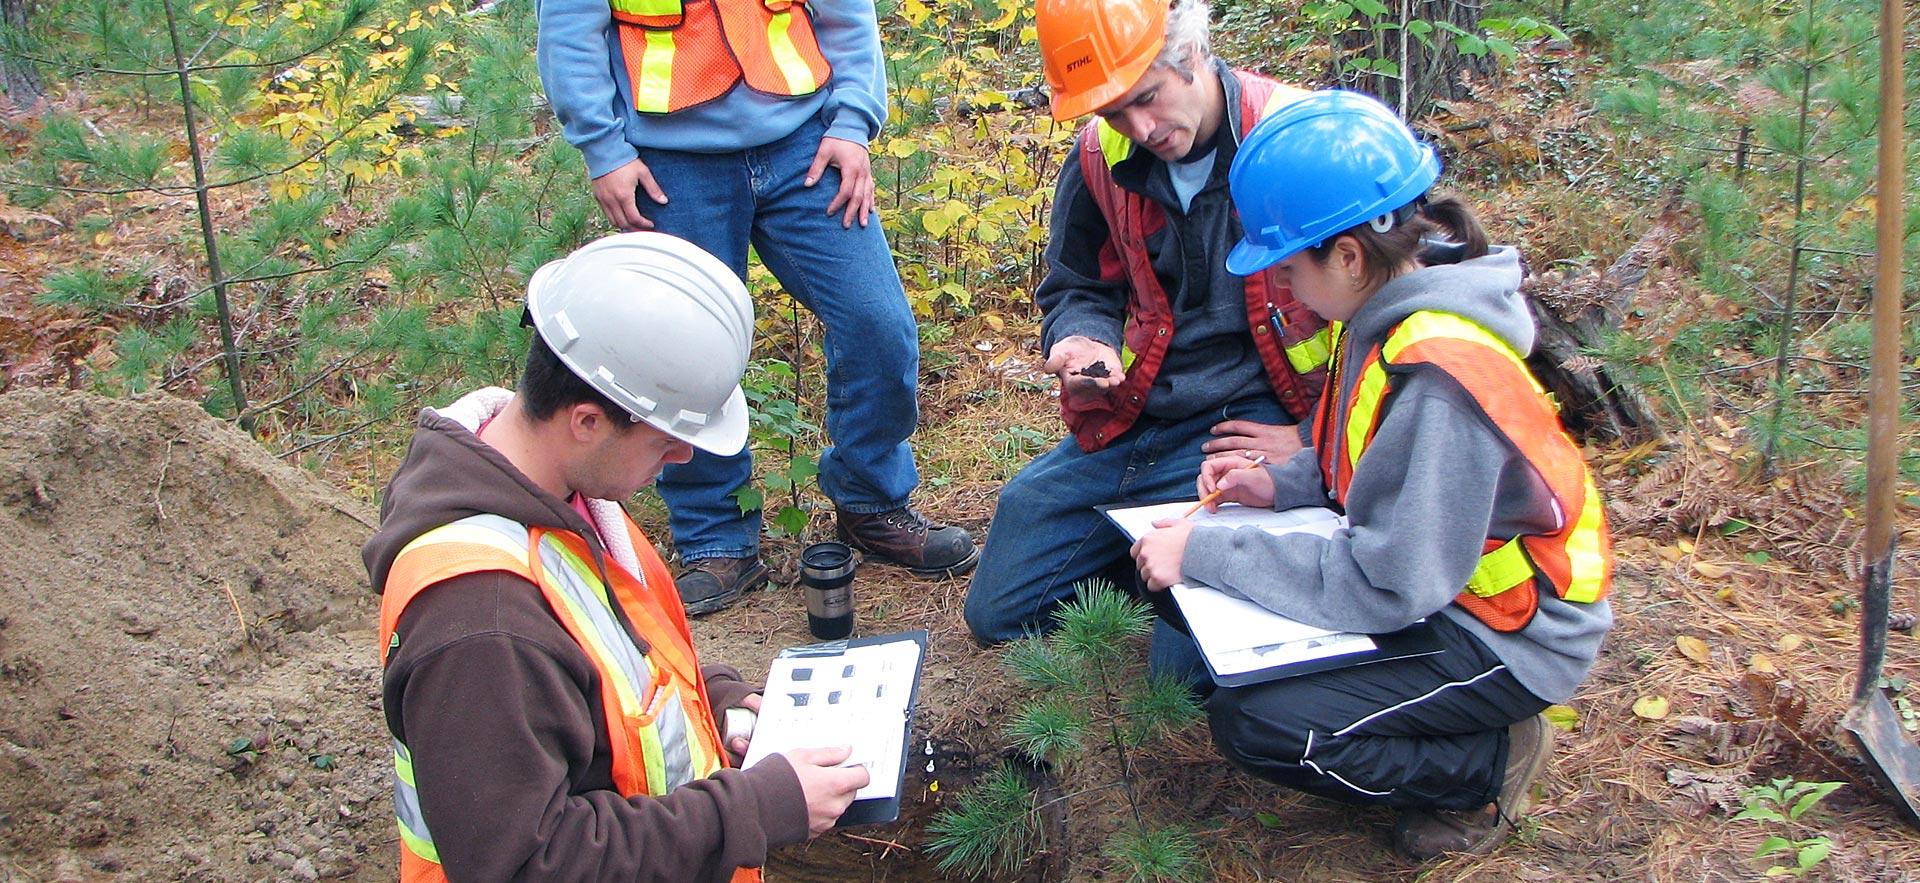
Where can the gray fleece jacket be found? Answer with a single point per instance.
(1436, 481)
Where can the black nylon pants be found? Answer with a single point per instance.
(1423, 733)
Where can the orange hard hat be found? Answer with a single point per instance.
(1095, 50)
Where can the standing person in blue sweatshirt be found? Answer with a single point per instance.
(1467, 504)
(732, 123)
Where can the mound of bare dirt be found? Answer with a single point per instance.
(188, 689)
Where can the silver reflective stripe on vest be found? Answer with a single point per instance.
(590, 597)
(406, 807)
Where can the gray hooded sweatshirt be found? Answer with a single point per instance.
(1435, 482)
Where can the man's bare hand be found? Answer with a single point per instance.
(1072, 356)
(855, 196)
(1245, 438)
(615, 193)
(828, 786)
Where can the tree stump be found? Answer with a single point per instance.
(1573, 317)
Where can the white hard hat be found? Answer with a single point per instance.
(657, 325)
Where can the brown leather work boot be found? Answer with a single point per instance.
(711, 584)
(1422, 834)
(905, 537)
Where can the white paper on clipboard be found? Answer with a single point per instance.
(857, 695)
(1237, 635)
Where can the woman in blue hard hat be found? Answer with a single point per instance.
(1467, 504)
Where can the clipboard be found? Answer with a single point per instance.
(871, 810)
(1414, 640)
(1220, 624)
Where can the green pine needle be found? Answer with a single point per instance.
(86, 288)
(1157, 855)
(1162, 706)
(1039, 663)
(1097, 623)
(990, 830)
(1050, 729)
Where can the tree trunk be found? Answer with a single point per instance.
(1435, 74)
(1426, 74)
(19, 80)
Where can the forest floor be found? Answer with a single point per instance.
(189, 685)
(188, 688)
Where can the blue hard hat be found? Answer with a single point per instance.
(1323, 164)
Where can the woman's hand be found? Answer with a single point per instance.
(1158, 554)
(1235, 482)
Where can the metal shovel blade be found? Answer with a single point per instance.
(1875, 726)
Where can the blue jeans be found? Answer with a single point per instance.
(725, 201)
(1046, 535)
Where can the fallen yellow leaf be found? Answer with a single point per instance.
(1652, 708)
(994, 322)
(1711, 570)
(1686, 545)
(1790, 643)
(1562, 717)
(1759, 662)
(1695, 649)
(1672, 554)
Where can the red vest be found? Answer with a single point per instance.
(1295, 358)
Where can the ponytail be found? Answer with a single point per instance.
(1400, 243)
(1452, 214)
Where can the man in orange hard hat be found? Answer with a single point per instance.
(1164, 357)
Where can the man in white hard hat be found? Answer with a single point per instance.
(550, 718)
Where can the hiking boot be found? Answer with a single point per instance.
(905, 537)
(710, 584)
(1422, 834)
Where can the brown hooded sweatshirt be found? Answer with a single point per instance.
(500, 709)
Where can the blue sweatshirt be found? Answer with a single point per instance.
(586, 82)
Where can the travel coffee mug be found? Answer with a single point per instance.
(826, 573)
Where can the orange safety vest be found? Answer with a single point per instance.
(660, 724)
(681, 53)
(1290, 338)
(1576, 558)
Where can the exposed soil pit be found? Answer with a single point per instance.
(186, 686)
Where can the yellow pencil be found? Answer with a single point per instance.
(1216, 494)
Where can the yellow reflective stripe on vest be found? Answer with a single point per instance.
(1426, 323)
(668, 759)
(651, 8)
(1366, 404)
(1311, 354)
(1500, 570)
(787, 56)
(1584, 556)
(1114, 146)
(654, 92)
(406, 807)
